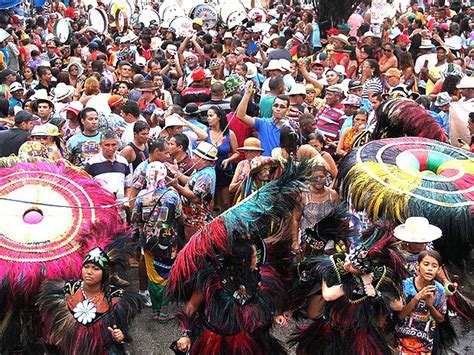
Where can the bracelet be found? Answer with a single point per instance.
(186, 333)
(449, 289)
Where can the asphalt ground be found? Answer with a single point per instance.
(152, 338)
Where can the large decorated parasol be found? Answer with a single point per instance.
(51, 216)
(397, 178)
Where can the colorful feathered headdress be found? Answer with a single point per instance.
(265, 214)
(393, 179)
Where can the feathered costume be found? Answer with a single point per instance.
(234, 319)
(404, 117)
(335, 227)
(45, 238)
(74, 324)
(352, 323)
(393, 179)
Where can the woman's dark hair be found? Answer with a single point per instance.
(235, 101)
(42, 70)
(223, 124)
(117, 84)
(318, 136)
(140, 126)
(375, 66)
(368, 50)
(238, 262)
(62, 77)
(450, 83)
(424, 101)
(362, 111)
(57, 121)
(433, 253)
(289, 140)
(406, 61)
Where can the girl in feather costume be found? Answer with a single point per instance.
(360, 289)
(233, 281)
(87, 316)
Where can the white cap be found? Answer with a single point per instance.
(16, 86)
(297, 89)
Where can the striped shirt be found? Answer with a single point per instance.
(114, 176)
(330, 120)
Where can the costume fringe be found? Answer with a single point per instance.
(266, 214)
(404, 117)
(63, 331)
(376, 179)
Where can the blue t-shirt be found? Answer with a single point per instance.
(268, 133)
(415, 334)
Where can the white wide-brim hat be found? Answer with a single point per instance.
(417, 230)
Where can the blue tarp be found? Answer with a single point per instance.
(6, 4)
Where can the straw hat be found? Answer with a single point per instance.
(253, 144)
(417, 230)
(426, 44)
(62, 91)
(342, 38)
(46, 129)
(173, 121)
(206, 151)
(467, 82)
(147, 85)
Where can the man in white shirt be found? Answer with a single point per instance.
(109, 168)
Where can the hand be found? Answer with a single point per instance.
(225, 163)
(116, 334)
(430, 298)
(301, 64)
(184, 343)
(295, 247)
(367, 278)
(425, 292)
(281, 321)
(369, 290)
(173, 168)
(249, 87)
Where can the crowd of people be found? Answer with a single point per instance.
(184, 127)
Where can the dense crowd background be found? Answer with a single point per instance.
(195, 123)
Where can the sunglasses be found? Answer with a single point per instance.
(387, 50)
(310, 91)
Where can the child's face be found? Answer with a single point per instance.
(428, 268)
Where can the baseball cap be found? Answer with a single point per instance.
(16, 86)
(198, 74)
(355, 84)
(115, 100)
(23, 116)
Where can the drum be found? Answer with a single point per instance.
(63, 30)
(207, 13)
